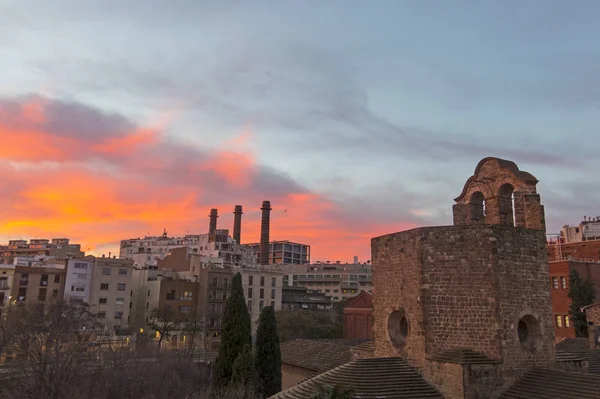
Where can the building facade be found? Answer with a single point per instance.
(7, 275)
(358, 317)
(262, 287)
(37, 285)
(283, 252)
(111, 291)
(59, 248)
(340, 281)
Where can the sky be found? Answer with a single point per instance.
(354, 118)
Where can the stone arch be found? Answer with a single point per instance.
(477, 207)
(506, 205)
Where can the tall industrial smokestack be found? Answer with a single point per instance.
(212, 226)
(237, 223)
(264, 233)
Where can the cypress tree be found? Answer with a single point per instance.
(235, 335)
(268, 354)
(244, 376)
(582, 293)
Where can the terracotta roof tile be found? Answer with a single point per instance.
(318, 355)
(390, 378)
(554, 384)
(463, 356)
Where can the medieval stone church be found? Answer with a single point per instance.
(464, 311)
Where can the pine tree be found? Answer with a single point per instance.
(235, 335)
(582, 293)
(243, 375)
(268, 354)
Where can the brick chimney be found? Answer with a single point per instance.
(264, 233)
(237, 223)
(213, 221)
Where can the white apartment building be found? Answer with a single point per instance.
(146, 252)
(262, 287)
(105, 284)
(340, 281)
(587, 230)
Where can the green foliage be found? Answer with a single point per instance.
(235, 334)
(333, 392)
(308, 324)
(582, 293)
(268, 354)
(244, 373)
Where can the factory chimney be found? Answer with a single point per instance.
(213, 221)
(264, 233)
(237, 223)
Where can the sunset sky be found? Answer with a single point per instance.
(121, 118)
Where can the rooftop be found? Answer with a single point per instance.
(318, 355)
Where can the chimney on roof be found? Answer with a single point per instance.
(264, 233)
(237, 223)
(212, 226)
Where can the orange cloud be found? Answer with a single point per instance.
(110, 179)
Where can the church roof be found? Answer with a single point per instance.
(548, 384)
(384, 377)
(318, 355)
(463, 356)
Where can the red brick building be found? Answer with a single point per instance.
(582, 250)
(559, 290)
(358, 317)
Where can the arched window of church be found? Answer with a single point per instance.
(506, 204)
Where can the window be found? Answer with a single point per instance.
(171, 295)
(250, 280)
(106, 271)
(121, 286)
(262, 293)
(211, 323)
(22, 294)
(273, 281)
(102, 300)
(225, 282)
(224, 295)
(249, 292)
(3, 283)
(215, 281)
(42, 295)
(398, 327)
(120, 300)
(261, 305)
(80, 265)
(185, 309)
(79, 289)
(118, 315)
(567, 322)
(24, 280)
(555, 283)
(250, 306)
(104, 287)
(101, 315)
(262, 281)
(336, 290)
(558, 321)
(563, 283)
(186, 296)
(148, 292)
(54, 294)
(57, 278)
(273, 293)
(123, 272)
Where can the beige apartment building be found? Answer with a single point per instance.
(37, 285)
(7, 275)
(111, 291)
(60, 248)
(262, 287)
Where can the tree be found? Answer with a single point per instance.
(333, 392)
(308, 324)
(164, 321)
(582, 293)
(268, 354)
(244, 373)
(193, 324)
(235, 334)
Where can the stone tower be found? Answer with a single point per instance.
(469, 304)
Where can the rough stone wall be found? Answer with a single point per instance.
(593, 316)
(446, 377)
(459, 298)
(397, 284)
(523, 285)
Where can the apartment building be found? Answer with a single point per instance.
(283, 252)
(59, 248)
(262, 287)
(7, 274)
(33, 286)
(149, 252)
(340, 281)
(78, 279)
(111, 291)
